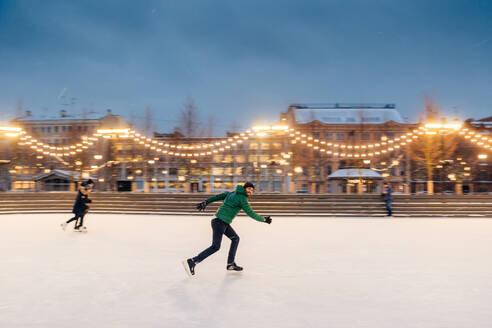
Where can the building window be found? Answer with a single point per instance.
(64, 128)
(48, 129)
(69, 128)
(329, 136)
(265, 145)
(264, 158)
(276, 145)
(390, 135)
(340, 136)
(305, 171)
(56, 128)
(173, 171)
(217, 170)
(377, 136)
(253, 146)
(79, 128)
(316, 135)
(365, 136)
(328, 170)
(482, 176)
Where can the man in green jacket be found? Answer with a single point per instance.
(221, 225)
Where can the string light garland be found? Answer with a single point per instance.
(222, 145)
(354, 151)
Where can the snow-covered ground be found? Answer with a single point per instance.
(299, 272)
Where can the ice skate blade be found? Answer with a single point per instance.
(187, 268)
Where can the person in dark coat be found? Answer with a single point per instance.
(80, 208)
(387, 191)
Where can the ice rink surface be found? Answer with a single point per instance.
(299, 272)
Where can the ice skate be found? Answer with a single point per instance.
(64, 226)
(80, 229)
(234, 267)
(189, 266)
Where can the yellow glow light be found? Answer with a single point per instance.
(10, 129)
(114, 131)
(262, 128)
(455, 126)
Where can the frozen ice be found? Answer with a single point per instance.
(298, 272)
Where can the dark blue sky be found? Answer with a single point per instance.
(243, 61)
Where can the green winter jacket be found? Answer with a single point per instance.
(233, 202)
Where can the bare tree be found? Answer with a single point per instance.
(208, 130)
(430, 149)
(432, 110)
(149, 119)
(188, 119)
(234, 126)
(210, 126)
(20, 109)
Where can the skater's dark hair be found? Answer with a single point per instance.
(86, 183)
(249, 185)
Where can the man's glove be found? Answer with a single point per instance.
(268, 219)
(201, 206)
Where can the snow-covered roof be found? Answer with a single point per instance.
(487, 119)
(348, 115)
(62, 174)
(355, 174)
(66, 117)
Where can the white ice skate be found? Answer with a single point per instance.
(64, 225)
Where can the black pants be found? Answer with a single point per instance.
(76, 217)
(220, 228)
(388, 207)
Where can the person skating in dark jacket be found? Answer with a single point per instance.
(221, 225)
(387, 191)
(80, 207)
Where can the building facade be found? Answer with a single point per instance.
(320, 148)
(25, 164)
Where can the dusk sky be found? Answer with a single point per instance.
(243, 61)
